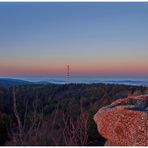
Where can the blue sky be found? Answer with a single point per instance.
(93, 38)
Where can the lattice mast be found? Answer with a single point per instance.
(68, 75)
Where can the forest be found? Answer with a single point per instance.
(56, 114)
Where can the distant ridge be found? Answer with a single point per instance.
(17, 81)
(12, 82)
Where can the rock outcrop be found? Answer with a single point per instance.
(124, 122)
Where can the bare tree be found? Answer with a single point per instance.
(17, 116)
(75, 132)
(23, 133)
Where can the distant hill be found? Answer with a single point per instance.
(12, 82)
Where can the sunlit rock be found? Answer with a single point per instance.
(124, 122)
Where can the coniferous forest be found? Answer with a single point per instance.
(54, 114)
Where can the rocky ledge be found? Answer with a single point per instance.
(124, 122)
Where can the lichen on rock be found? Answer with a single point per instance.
(124, 122)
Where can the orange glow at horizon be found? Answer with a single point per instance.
(79, 68)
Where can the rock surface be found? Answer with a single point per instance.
(124, 122)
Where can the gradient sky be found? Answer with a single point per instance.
(93, 38)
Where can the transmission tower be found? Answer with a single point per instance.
(67, 75)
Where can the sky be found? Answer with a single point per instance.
(93, 38)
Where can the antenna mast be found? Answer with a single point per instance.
(67, 75)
